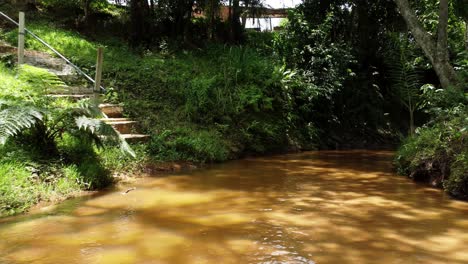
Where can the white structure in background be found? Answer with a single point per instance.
(282, 3)
(263, 23)
(274, 15)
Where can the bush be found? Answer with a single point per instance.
(438, 153)
(457, 184)
(187, 144)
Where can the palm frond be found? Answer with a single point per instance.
(101, 132)
(14, 118)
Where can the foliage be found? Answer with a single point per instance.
(46, 150)
(121, 163)
(27, 112)
(323, 63)
(15, 199)
(437, 153)
(457, 184)
(250, 92)
(15, 118)
(322, 81)
(405, 79)
(186, 144)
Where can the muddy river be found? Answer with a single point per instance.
(315, 207)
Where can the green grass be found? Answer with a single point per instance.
(68, 43)
(17, 192)
(189, 145)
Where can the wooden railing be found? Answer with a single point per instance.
(22, 30)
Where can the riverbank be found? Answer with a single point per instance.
(31, 183)
(438, 153)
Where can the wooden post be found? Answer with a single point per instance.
(99, 62)
(21, 33)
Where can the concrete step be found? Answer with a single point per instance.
(72, 97)
(112, 110)
(135, 138)
(123, 127)
(116, 119)
(70, 90)
(7, 48)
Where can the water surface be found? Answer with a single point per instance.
(316, 207)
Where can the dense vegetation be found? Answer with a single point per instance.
(206, 90)
(48, 146)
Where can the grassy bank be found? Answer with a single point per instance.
(207, 104)
(438, 153)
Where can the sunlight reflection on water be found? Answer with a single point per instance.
(316, 207)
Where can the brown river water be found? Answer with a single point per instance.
(315, 207)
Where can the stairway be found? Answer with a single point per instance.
(76, 90)
(126, 127)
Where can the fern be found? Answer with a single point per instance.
(89, 108)
(405, 79)
(15, 117)
(39, 78)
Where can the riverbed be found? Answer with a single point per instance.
(315, 207)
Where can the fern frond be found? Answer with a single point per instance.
(14, 118)
(405, 80)
(89, 108)
(101, 132)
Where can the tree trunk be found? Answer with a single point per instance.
(187, 21)
(235, 27)
(412, 127)
(86, 10)
(436, 51)
(139, 27)
(466, 35)
(230, 10)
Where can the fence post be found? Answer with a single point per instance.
(99, 62)
(21, 39)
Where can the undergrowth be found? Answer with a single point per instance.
(231, 92)
(35, 167)
(438, 153)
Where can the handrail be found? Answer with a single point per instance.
(55, 51)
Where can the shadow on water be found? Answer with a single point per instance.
(317, 207)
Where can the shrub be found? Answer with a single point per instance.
(437, 153)
(457, 184)
(187, 144)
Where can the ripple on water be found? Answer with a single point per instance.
(318, 207)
